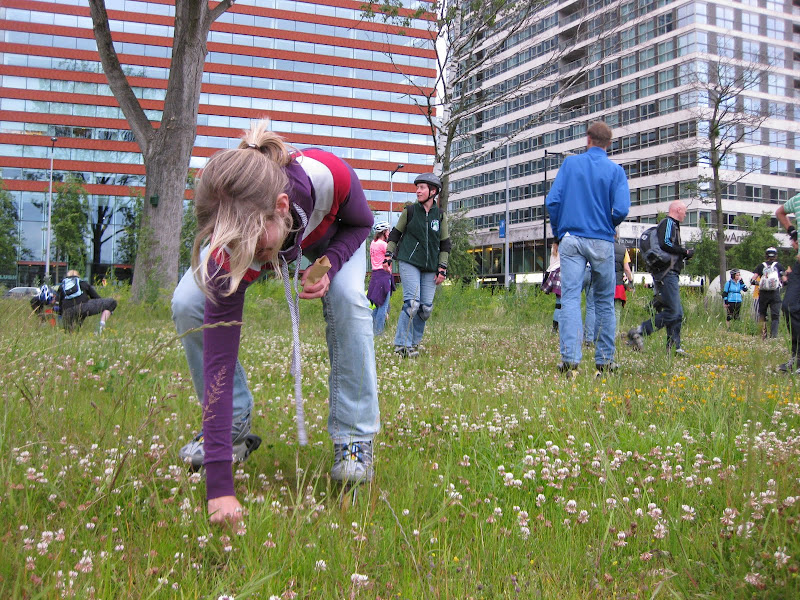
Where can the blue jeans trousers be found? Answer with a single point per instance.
(418, 291)
(379, 315)
(575, 253)
(354, 414)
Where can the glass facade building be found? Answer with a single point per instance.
(322, 74)
(637, 65)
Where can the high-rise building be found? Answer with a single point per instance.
(324, 75)
(640, 66)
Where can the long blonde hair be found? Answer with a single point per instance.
(234, 201)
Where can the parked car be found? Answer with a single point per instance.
(21, 292)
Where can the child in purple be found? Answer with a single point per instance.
(260, 206)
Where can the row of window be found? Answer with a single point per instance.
(51, 41)
(263, 24)
(226, 79)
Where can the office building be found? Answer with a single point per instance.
(317, 69)
(634, 64)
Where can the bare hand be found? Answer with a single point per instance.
(387, 267)
(316, 290)
(225, 510)
(439, 279)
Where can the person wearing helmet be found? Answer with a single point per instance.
(420, 241)
(43, 298)
(791, 283)
(78, 300)
(381, 282)
(732, 296)
(768, 277)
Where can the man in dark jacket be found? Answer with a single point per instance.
(768, 275)
(791, 297)
(77, 299)
(665, 284)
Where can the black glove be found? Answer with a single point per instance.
(387, 258)
(442, 270)
(792, 233)
(689, 253)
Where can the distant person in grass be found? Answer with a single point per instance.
(666, 291)
(589, 198)
(77, 299)
(732, 296)
(420, 242)
(791, 297)
(260, 206)
(767, 281)
(381, 281)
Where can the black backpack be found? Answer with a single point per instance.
(655, 257)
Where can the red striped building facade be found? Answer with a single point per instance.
(323, 75)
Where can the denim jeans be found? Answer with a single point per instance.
(589, 321)
(575, 253)
(379, 315)
(353, 385)
(670, 315)
(418, 291)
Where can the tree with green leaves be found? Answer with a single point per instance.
(461, 265)
(166, 149)
(705, 262)
(70, 223)
(749, 252)
(9, 234)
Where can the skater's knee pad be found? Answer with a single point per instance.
(425, 311)
(411, 307)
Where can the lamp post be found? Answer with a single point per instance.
(544, 198)
(53, 141)
(391, 193)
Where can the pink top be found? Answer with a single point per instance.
(377, 252)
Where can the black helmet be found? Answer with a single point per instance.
(431, 179)
(771, 252)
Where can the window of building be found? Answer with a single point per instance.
(627, 11)
(666, 105)
(666, 79)
(750, 22)
(647, 111)
(648, 195)
(647, 85)
(728, 191)
(667, 192)
(776, 84)
(725, 46)
(778, 139)
(724, 17)
(752, 164)
(628, 91)
(778, 166)
(776, 5)
(753, 193)
(776, 55)
(647, 58)
(646, 31)
(627, 38)
(751, 51)
(695, 41)
(629, 115)
(752, 136)
(666, 51)
(778, 196)
(777, 110)
(775, 28)
(628, 65)
(751, 106)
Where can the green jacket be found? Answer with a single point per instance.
(424, 238)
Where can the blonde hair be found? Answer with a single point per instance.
(234, 201)
(73, 273)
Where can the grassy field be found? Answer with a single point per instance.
(495, 476)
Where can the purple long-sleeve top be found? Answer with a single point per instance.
(327, 200)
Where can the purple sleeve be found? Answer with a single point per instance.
(354, 224)
(220, 351)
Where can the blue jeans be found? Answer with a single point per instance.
(379, 315)
(575, 253)
(353, 384)
(670, 314)
(418, 291)
(589, 321)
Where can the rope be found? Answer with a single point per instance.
(296, 369)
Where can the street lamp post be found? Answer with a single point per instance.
(391, 193)
(53, 141)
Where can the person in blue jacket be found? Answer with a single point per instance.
(732, 296)
(589, 198)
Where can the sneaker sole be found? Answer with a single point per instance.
(241, 452)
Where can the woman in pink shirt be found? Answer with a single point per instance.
(381, 282)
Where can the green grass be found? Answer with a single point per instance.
(484, 468)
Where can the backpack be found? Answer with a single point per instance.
(655, 258)
(770, 279)
(71, 286)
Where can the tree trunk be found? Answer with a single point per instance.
(715, 160)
